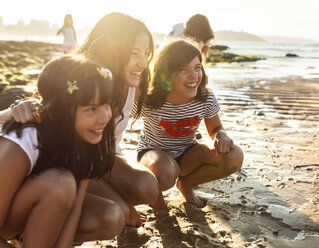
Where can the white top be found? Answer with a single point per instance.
(121, 126)
(69, 36)
(172, 128)
(178, 30)
(28, 143)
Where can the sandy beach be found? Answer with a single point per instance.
(271, 202)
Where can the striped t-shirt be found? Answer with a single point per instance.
(172, 128)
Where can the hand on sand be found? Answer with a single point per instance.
(135, 219)
(190, 195)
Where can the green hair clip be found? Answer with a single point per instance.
(166, 86)
(72, 86)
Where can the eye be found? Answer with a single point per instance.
(134, 52)
(91, 109)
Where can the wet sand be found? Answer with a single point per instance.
(271, 202)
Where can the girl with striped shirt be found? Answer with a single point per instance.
(176, 103)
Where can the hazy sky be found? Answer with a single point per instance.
(292, 18)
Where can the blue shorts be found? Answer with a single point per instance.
(141, 153)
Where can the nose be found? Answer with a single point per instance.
(142, 62)
(105, 114)
(194, 73)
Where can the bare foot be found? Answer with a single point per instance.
(135, 219)
(189, 194)
(159, 203)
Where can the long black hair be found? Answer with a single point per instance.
(65, 84)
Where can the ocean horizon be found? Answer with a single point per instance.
(274, 65)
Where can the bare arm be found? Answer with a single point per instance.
(222, 142)
(70, 226)
(75, 35)
(60, 31)
(24, 112)
(14, 167)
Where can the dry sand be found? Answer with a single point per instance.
(272, 201)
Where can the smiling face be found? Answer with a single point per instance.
(185, 82)
(138, 60)
(91, 120)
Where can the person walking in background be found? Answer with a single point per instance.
(69, 34)
(176, 103)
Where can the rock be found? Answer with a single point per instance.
(3, 85)
(291, 55)
(198, 135)
(218, 47)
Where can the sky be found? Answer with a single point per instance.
(289, 18)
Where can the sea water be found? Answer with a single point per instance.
(275, 63)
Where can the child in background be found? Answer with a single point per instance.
(198, 28)
(69, 34)
(44, 166)
(175, 105)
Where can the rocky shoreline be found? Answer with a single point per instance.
(21, 62)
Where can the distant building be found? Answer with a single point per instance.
(20, 24)
(39, 25)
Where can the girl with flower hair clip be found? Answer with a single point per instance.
(124, 45)
(175, 105)
(45, 166)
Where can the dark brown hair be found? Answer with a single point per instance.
(198, 28)
(59, 145)
(172, 57)
(110, 43)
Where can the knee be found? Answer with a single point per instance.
(59, 188)
(234, 160)
(112, 222)
(146, 188)
(167, 178)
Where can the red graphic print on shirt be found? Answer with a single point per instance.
(180, 126)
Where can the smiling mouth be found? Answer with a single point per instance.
(97, 132)
(193, 85)
(136, 74)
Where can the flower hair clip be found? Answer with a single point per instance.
(104, 72)
(72, 86)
